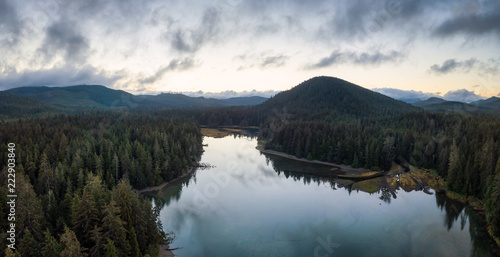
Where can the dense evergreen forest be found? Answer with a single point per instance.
(75, 178)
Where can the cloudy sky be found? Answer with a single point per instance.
(448, 47)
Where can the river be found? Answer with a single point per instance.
(252, 204)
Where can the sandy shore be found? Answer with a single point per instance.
(345, 168)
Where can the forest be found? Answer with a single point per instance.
(77, 176)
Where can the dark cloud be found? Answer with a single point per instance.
(191, 40)
(490, 67)
(62, 76)
(473, 24)
(274, 61)
(10, 23)
(64, 37)
(405, 94)
(462, 95)
(174, 65)
(369, 59)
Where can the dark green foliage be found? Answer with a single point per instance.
(15, 106)
(134, 246)
(51, 247)
(69, 168)
(110, 249)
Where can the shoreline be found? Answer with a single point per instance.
(164, 249)
(164, 184)
(341, 167)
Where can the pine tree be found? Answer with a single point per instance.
(134, 246)
(51, 247)
(97, 239)
(71, 246)
(85, 217)
(113, 228)
(110, 249)
(28, 246)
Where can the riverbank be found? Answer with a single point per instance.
(340, 167)
(164, 249)
(159, 187)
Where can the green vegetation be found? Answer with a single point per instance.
(75, 177)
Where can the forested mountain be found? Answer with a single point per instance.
(84, 97)
(75, 177)
(15, 106)
(491, 103)
(329, 98)
(488, 106)
(430, 101)
(239, 101)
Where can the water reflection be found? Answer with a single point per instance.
(277, 207)
(387, 188)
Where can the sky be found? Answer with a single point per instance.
(405, 48)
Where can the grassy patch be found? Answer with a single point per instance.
(211, 132)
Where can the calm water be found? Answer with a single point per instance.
(257, 205)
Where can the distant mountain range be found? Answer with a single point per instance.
(325, 98)
(491, 105)
(100, 97)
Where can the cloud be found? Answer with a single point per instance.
(462, 95)
(275, 61)
(368, 59)
(10, 24)
(230, 93)
(62, 76)
(452, 65)
(409, 95)
(64, 37)
(262, 60)
(191, 40)
(174, 65)
(473, 24)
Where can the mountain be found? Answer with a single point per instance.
(15, 106)
(100, 97)
(491, 103)
(333, 98)
(430, 101)
(173, 101)
(239, 101)
(435, 104)
(81, 96)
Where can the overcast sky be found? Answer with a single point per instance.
(428, 46)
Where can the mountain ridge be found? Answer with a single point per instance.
(101, 97)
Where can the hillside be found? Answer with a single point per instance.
(492, 103)
(331, 98)
(432, 100)
(82, 96)
(100, 97)
(434, 104)
(14, 106)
